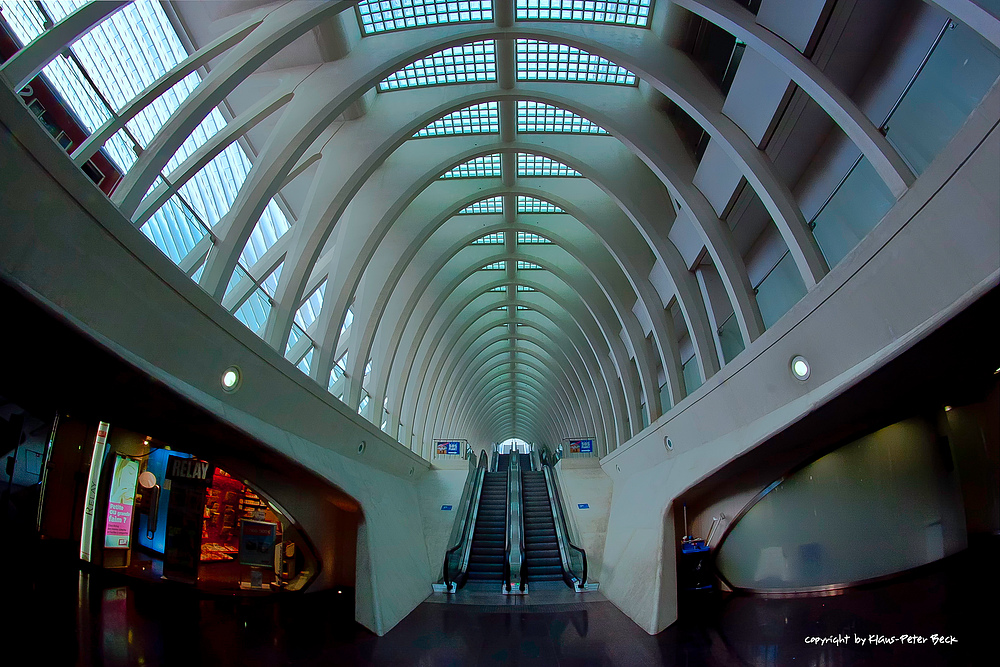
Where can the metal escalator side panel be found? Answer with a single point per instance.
(514, 580)
(573, 578)
(464, 546)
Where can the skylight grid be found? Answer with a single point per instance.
(525, 288)
(496, 266)
(539, 165)
(484, 166)
(478, 119)
(498, 288)
(385, 16)
(496, 238)
(539, 117)
(491, 205)
(544, 61)
(528, 266)
(457, 64)
(527, 238)
(621, 13)
(527, 204)
(523, 307)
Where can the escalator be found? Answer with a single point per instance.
(486, 558)
(541, 557)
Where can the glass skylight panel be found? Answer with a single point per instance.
(310, 308)
(525, 288)
(496, 266)
(498, 288)
(348, 320)
(478, 119)
(363, 404)
(254, 311)
(539, 117)
(496, 238)
(529, 238)
(306, 361)
(174, 229)
(271, 227)
(339, 369)
(523, 308)
(123, 55)
(630, 12)
(484, 166)
(294, 334)
(539, 165)
(545, 61)
(457, 64)
(387, 15)
(490, 205)
(270, 284)
(527, 204)
(528, 266)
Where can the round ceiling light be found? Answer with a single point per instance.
(231, 378)
(800, 367)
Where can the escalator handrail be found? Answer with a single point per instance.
(514, 571)
(562, 528)
(477, 473)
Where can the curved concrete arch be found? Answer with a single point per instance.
(604, 221)
(630, 326)
(584, 375)
(605, 168)
(549, 384)
(609, 333)
(561, 418)
(583, 410)
(624, 317)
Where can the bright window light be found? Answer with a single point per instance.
(527, 266)
(539, 117)
(496, 238)
(457, 64)
(525, 288)
(484, 166)
(539, 165)
(544, 61)
(309, 310)
(621, 13)
(388, 15)
(527, 204)
(478, 119)
(496, 266)
(527, 238)
(491, 205)
(498, 288)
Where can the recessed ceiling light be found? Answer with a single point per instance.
(231, 378)
(800, 367)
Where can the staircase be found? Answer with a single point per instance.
(486, 558)
(541, 557)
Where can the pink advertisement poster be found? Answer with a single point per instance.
(119, 524)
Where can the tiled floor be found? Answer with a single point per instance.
(64, 617)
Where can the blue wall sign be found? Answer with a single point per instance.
(585, 446)
(583, 506)
(449, 447)
(446, 508)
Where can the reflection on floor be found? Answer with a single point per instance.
(66, 616)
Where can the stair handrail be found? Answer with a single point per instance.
(576, 579)
(514, 581)
(468, 510)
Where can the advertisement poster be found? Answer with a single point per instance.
(257, 543)
(451, 447)
(118, 527)
(581, 446)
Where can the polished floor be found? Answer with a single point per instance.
(64, 615)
